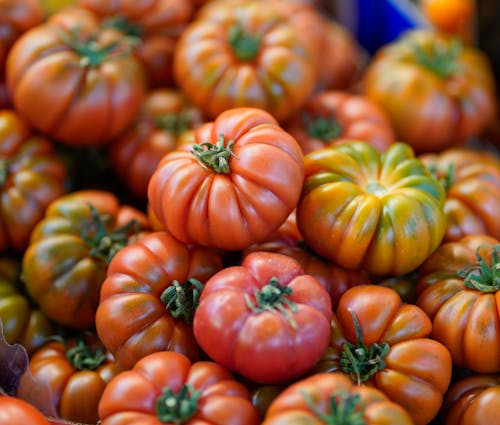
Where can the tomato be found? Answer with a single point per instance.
(135, 154)
(272, 319)
(65, 263)
(148, 297)
(332, 398)
(75, 373)
(21, 321)
(332, 116)
(287, 240)
(473, 400)
(155, 25)
(31, 177)
(436, 91)
(16, 411)
(459, 289)
(244, 56)
(238, 184)
(455, 17)
(472, 183)
(16, 17)
(76, 83)
(379, 341)
(366, 210)
(165, 387)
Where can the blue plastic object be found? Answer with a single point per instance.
(375, 23)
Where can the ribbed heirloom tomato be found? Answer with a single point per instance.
(148, 297)
(238, 183)
(16, 411)
(264, 319)
(362, 209)
(379, 341)
(166, 388)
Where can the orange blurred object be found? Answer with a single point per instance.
(455, 17)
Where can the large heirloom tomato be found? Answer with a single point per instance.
(165, 387)
(65, 263)
(165, 115)
(362, 209)
(21, 321)
(272, 320)
(330, 117)
(459, 289)
(474, 400)
(472, 183)
(77, 83)
(75, 372)
(155, 25)
(16, 411)
(31, 177)
(148, 297)
(436, 92)
(378, 340)
(240, 181)
(332, 398)
(249, 55)
(16, 17)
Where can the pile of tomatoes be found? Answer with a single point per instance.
(226, 212)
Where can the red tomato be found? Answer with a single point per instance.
(16, 411)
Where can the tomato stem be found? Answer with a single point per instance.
(345, 409)
(82, 358)
(439, 58)
(271, 297)
(245, 46)
(177, 408)
(175, 123)
(484, 277)
(360, 361)
(323, 128)
(104, 245)
(214, 156)
(181, 300)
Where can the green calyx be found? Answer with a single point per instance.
(358, 360)
(82, 358)
(244, 45)
(124, 25)
(484, 277)
(175, 123)
(105, 244)
(440, 58)
(322, 128)
(273, 297)
(345, 409)
(216, 156)
(181, 300)
(177, 408)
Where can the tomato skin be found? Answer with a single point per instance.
(230, 211)
(241, 339)
(33, 176)
(376, 206)
(416, 371)
(59, 88)
(216, 74)
(430, 111)
(59, 269)
(130, 397)
(465, 320)
(76, 392)
(473, 400)
(131, 319)
(21, 321)
(290, 405)
(472, 183)
(16, 411)
(355, 118)
(135, 154)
